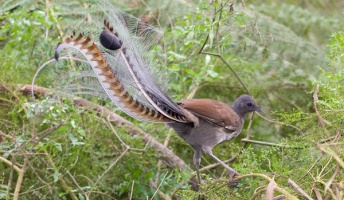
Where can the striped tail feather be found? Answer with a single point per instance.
(112, 86)
(142, 79)
(117, 47)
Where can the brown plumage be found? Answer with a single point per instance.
(215, 112)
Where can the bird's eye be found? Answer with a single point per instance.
(249, 104)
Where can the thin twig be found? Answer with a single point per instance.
(270, 144)
(334, 175)
(333, 154)
(219, 55)
(61, 179)
(109, 168)
(313, 165)
(2, 86)
(277, 188)
(208, 167)
(157, 189)
(249, 131)
(132, 190)
(76, 183)
(20, 172)
(299, 189)
(277, 122)
(167, 139)
(15, 167)
(316, 99)
(229, 66)
(20, 179)
(329, 190)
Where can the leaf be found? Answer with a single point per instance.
(207, 59)
(73, 123)
(211, 37)
(75, 140)
(177, 56)
(56, 176)
(81, 197)
(270, 190)
(189, 38)
(82, 132)
(5, 187)
(212, 73)
(191, 72)
(148, 175)
(3, 195)
(58, 146)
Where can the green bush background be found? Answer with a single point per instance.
(287, 54)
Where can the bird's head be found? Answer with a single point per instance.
(245, 104)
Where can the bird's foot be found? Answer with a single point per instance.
(232, 181)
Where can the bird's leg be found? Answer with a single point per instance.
(197, 161)
(232, 172)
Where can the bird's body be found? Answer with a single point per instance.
(218, 123)
(116, 57)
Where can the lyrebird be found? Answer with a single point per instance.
(115, 45)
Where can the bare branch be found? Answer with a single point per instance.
(277, 188)
(299, 189)
(316, 99)
(270, 144)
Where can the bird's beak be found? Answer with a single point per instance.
(259, 110)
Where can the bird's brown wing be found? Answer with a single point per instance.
(215, 112)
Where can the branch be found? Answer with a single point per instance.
(20, 172)
(333, 154)
(277, 122)
(276, 187)
(270, 144)
(61, 179)
(229, 66)
(20, 179)
(15, 167)
(316, 99)
(171, 159)
(299, 189)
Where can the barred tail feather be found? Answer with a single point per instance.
(135, 64)
(109, 81)
(116, 47)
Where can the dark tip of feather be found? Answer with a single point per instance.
(57, 53)
(110, 40)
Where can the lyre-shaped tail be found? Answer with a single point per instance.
(112, 86)
(118, 61)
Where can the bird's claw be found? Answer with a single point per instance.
(234, 182)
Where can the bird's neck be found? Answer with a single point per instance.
(236, 108)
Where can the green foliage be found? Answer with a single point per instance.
(302, 158)
(64, 144)
(275, 49)
(23, 33)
